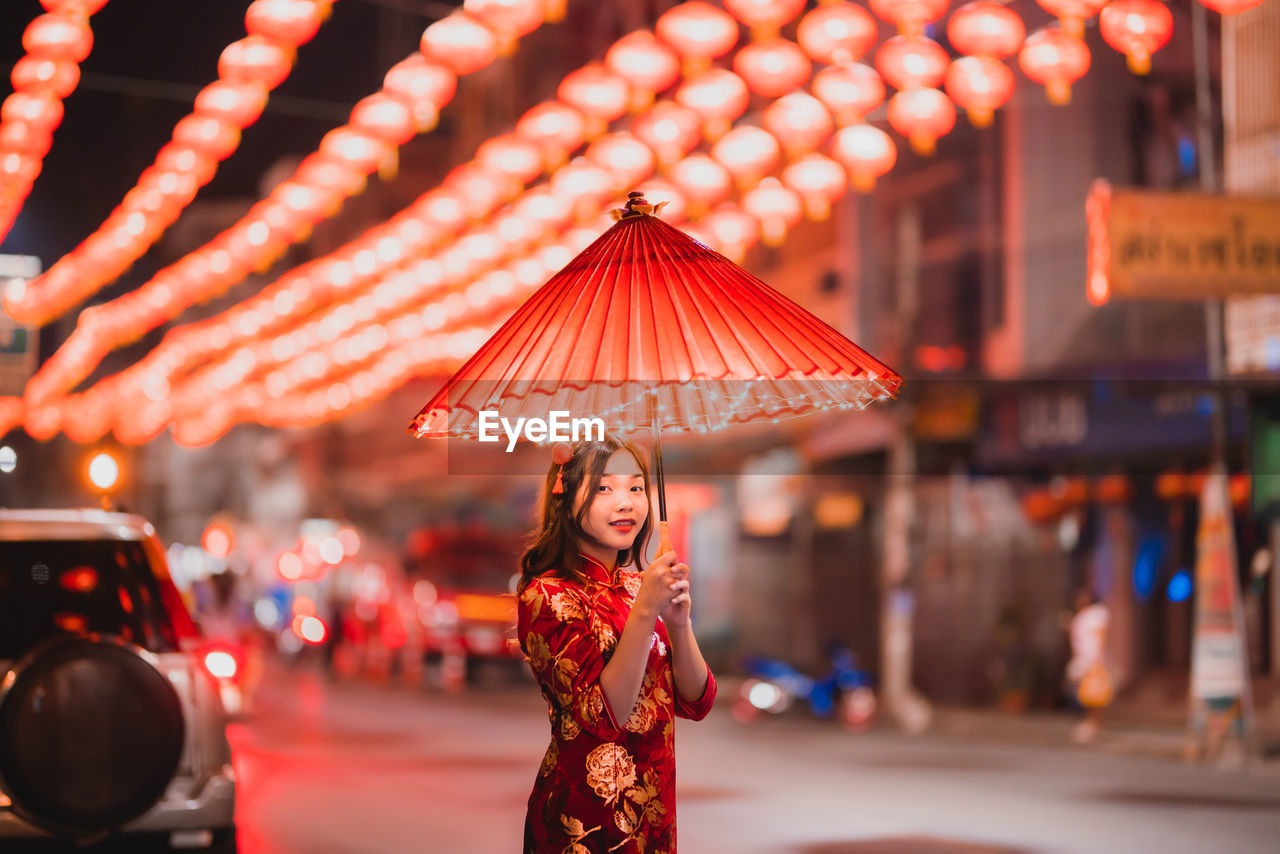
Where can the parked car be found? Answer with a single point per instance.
(111, 726)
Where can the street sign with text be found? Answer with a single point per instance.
(1148, 245)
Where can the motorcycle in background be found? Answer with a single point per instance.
(843, 692)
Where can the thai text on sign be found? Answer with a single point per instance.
(1149, 245)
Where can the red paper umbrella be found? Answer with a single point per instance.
(648, 328)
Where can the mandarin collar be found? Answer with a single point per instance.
(597, 571)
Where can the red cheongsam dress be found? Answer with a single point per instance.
(605, 785)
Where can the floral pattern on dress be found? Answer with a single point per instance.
(605, 786)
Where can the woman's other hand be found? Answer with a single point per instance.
(676, 613)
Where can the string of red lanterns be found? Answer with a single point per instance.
(324, 179)
(734, 227)
(55, 44)
(247, 70)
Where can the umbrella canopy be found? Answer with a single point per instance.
(648, 328)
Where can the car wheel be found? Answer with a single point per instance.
(90, 735)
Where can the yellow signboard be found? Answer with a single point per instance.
(1147, 245)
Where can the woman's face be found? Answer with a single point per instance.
(617, 509)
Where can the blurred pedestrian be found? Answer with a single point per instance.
(615, 656)
(1091, 682)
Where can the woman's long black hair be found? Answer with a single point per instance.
(553, 546)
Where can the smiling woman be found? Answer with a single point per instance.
(614, 653)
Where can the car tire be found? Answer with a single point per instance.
(75, 685)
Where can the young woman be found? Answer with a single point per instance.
(614, 652)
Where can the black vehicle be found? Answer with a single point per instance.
(110, 725)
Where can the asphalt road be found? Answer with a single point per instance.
(330, 768)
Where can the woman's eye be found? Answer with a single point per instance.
(602, 489)
(637, 489)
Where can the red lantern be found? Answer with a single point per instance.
(849, 91)
(58, 77)
(386, 117)
(1055, 59)
(819, 180)
(460, 43)
(799, 121)
(288, 22)
(719, 96)
(732, 231)
(979, 85)
(210, 136)
(866, 153)
(585, 185)
(356, 149)
(511, 156)
(443, 209)
(597, 93)
(699, 32)
(775, 207)
(17, 167)
(42, 111)
(328, 176)
(509, 19)
(772, 67)
(922, 115)
(984, 28)
(672, 131)
(73, 7)
(837, 33)
(24, 140)
(1137, 28)
(546, 211)
(749, 153)
(1073, 13)
(57, 37)
(255, 59)
(424, 85)
(646, 63)
(181, 159)
(479, 192)
(912, 62)
(237, 104)
(624, 157)
(556, 128)
(704, 182)
(910, 16)
(1231, 7)
(764, 17)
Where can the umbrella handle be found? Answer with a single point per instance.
(664, 537)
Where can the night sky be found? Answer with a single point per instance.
(149, 59)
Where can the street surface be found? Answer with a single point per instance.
(329, 768)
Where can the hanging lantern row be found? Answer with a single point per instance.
(247, 70)
(55, 44)
(502, 166)
(308, 346)
(616, 152)
(731, 229)
(769, 207)
(418, 298)
(413, 93)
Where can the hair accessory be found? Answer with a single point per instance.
(561, 453)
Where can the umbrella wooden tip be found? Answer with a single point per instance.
(636, 206)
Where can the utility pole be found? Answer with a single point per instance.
(897, 607)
